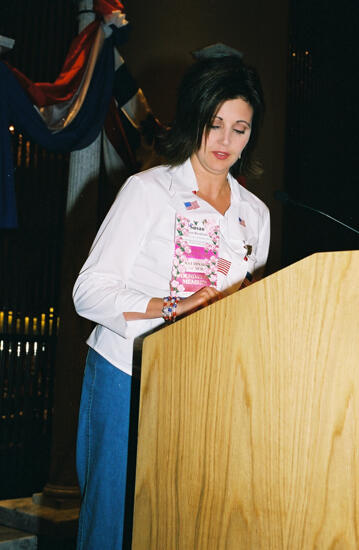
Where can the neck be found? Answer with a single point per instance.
(209, 184)
(213, 188)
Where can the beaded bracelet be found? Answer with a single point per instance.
(169, 308)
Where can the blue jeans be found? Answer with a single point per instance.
(102, 450)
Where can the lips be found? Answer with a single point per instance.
(220, 155)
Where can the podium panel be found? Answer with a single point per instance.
(249, 418)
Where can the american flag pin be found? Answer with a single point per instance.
(191, 205)
(223, 266)
(247, 280)
(242, 222)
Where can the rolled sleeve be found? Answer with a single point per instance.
(101, 291)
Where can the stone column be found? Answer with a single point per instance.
(80, 229)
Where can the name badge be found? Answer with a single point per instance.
(195, 261)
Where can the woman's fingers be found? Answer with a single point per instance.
(208, 295)
(203, 297)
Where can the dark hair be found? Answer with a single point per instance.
(205, 87)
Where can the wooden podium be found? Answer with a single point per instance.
(249, 418)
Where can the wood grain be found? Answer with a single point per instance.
(249, 418)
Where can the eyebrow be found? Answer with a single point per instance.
(236, 122)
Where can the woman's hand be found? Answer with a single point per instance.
(203, 297)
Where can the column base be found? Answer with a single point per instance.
(58, 497)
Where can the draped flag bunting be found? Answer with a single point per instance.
(69, 79)
(68, 114)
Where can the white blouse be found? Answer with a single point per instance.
(130, 261)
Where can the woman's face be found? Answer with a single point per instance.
(227, 137)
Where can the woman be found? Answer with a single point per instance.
(138, 274)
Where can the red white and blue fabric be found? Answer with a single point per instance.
(39, 109)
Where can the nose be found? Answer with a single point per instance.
(225, 136)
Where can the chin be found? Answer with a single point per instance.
(221, 167)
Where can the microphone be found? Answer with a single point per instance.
(283, 197)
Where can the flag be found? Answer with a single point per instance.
(68, 114)
(191, 205)
(248, 280)
(223, 266)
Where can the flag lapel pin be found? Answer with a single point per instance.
(191, 205)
